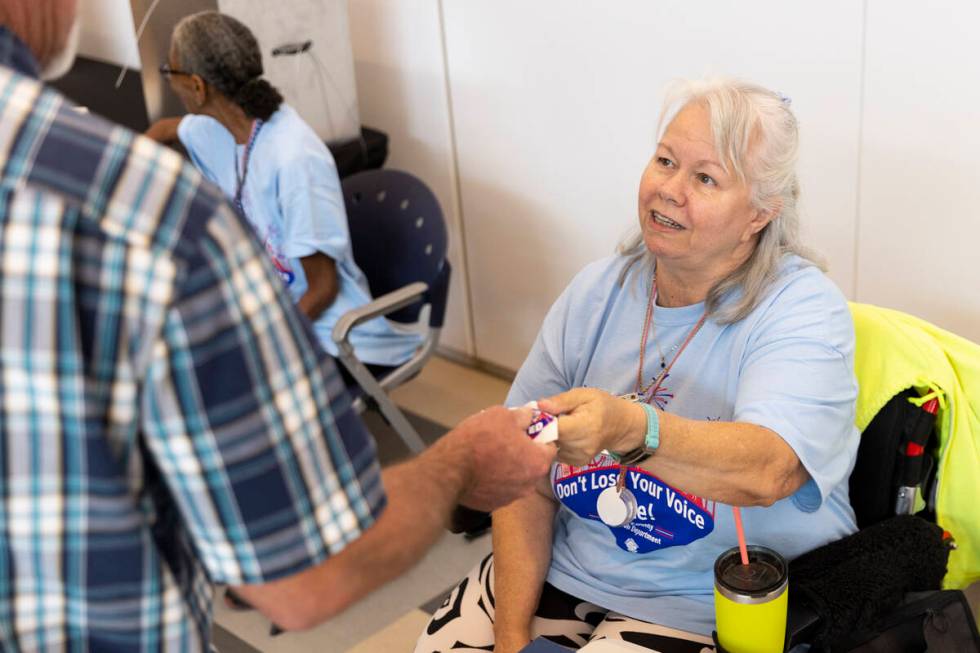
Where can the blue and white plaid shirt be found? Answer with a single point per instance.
(165, 421)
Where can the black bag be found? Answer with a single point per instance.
(852, 584)
(883, 464)
(365, 153)
(938, 622)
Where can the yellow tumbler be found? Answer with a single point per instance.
(750, 601)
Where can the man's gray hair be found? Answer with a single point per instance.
(757, 138)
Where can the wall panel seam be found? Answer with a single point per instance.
(456, 189)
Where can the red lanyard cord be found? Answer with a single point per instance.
(655, 385)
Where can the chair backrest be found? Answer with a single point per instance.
(399, 236)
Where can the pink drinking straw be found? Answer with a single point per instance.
(741, 535)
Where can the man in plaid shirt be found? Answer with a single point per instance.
(166, 422)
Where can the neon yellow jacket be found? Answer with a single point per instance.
(894, 351)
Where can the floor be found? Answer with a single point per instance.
(389, 620)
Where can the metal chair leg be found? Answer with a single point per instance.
(374, 390)
(399, 423)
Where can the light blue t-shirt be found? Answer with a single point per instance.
(293, 200)
(787, 366)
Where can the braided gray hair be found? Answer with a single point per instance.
(756, 135)
(224, 52)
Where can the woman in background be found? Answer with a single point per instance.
(279, 174)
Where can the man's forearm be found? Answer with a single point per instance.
(421, 494)
(484, 463)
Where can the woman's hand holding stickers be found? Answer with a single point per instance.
(592, 421)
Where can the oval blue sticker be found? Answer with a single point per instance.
(665, 516)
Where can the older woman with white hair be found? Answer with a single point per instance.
(707, 365)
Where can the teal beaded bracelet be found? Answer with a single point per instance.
(650, 441)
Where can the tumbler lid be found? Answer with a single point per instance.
(763, 579)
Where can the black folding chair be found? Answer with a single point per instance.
(399, 239)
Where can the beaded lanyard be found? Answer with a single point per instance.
(646, 394)
(240, 178)
(651, 389)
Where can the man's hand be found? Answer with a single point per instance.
(486, 462)
(500, 462)
(592, 420)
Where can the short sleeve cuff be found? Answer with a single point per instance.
(302, 250)
(185, 131)
(811, 495)
(808, 497)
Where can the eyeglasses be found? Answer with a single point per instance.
(167, 71)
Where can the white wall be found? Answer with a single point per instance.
(107, 32)
(553, 106)
(920, 163)
(401, 87)
(556, 104)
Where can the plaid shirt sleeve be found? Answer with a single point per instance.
(247, 420)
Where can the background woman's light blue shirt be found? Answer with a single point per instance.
(293, 200)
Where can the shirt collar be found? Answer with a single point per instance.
(14, 54)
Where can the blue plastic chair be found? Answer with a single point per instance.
(399, 239)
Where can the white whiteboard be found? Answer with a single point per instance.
(318, 83)
(555, 105)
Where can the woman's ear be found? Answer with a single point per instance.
(764, 216)
(199, 91)
(768, 214)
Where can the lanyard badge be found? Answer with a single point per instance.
(616, 506)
